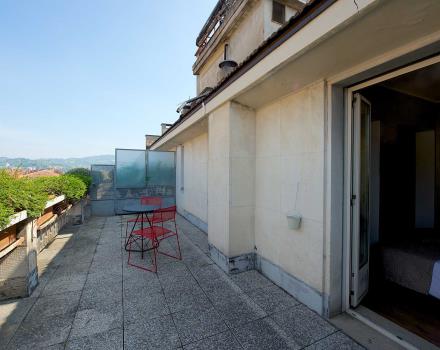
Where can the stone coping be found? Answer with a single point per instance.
(22, 215)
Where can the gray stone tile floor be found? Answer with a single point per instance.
(89, 298)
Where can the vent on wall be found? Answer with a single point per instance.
(278, 12)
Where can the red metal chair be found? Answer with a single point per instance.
(156, 201)
(155, 234)
(151, 201)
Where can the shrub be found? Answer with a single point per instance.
(69, 185)
(18, 194)
(83, 174)
(72, 187)
(5, 213)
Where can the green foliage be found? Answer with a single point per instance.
(18, 194)
(69, 185)
(5, 213)
(83, 174)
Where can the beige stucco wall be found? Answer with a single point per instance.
(218, 179)
(290, 158)
(208, 76)
(249, 34)
(269, 25)
(255, 26)
(242, 179)
(231, 182)
(192, 194)
(242, 41)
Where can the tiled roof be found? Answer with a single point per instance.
(41, 173)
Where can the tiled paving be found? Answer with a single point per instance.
(89, 298)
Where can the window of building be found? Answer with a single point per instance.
(182, 167)
(278, 12)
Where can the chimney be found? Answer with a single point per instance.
(149, 140)
(165, 127)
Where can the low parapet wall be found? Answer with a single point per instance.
(18, 262)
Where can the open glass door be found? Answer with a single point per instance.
(360, 203)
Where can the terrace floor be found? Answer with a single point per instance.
(89, 298)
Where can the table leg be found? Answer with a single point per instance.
(142, 228)
(131, 232)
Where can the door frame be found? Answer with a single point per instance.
(359, 273)
(348, 94)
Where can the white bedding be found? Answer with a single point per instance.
(434, 290)
(414, 266)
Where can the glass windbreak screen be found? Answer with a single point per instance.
(161, 169)
(130, 168)
(161, 175)
(102, 181)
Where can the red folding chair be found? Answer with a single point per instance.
(156, 201)
(155, 234)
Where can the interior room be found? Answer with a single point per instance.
(404, 201)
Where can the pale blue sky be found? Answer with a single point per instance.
(81, 77)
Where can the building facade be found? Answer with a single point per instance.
(271, 135)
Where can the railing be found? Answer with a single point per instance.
(220, 15)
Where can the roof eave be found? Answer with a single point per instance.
(310, 12)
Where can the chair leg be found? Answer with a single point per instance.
(155, 245)
(178, 243)
(153, 260)
(129, 251)
(179, 255)
(126, 231)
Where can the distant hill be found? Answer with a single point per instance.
(63, 164)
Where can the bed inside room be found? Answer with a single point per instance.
(404, 201)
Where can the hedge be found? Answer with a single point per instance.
(83, 174)
(31, 194)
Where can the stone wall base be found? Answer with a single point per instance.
(236, 264)
(200, 224)
(16, 281)
(47, 234)
(292, 285)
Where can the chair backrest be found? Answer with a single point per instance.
(164, 214)
(151, 201)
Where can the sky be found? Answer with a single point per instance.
(82, 77)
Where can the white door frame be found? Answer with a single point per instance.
(346, 273)
(348, 162)
(360, 274)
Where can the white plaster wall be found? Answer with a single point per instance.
(255, 27)
(290, 165)
(218, 179)
(242, 180)
(244, 39)
(249, 34)
(193, 198)
(269, 25)
(209, 74)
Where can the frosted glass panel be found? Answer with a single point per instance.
(102, 182)
(130, 168)
(161, 169)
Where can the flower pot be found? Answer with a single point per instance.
(294, 221)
